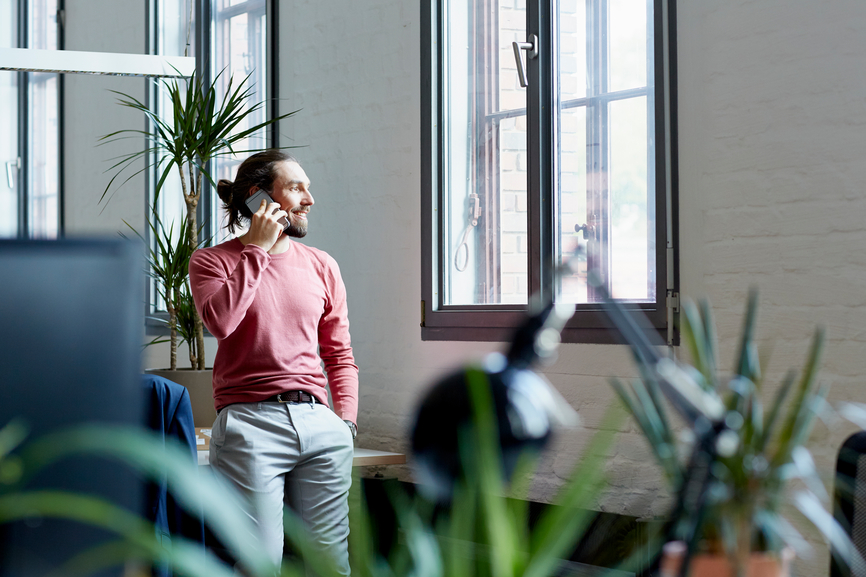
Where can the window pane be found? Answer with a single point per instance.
(44, 152)
(571, 205)
(632, 228)
(572, 49)
(239, 41)
(628, 44)
(176, 21)
(43, 199)
(606, 191)
(174, 27)
(484, 248)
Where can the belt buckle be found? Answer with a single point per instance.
(280, 399)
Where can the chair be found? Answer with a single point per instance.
(170, 415)
(849, 502)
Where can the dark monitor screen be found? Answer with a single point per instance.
(70, 344)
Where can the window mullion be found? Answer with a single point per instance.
(486, 174)
(23, 152)
(204, 61)
(272, 15)
(598, 148)
(23, 122)
(540, 147)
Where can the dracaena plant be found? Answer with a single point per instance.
(168, 264)
(748, 482)
(199, 127)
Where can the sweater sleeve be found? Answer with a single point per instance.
(335, 348)
(222, 297)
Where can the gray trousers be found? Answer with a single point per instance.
(299, 455)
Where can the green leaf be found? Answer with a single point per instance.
(776, 407)
(200, 128)
(299, 536)
(748, 365)
(559, 527)
(801, 408)
(184, 557)
(658, 433)
(488, 464)
(694, 338)
(841, 543)
(12, 435)
(195, 489)
(139, 535)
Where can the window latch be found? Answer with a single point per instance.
(16, 164)
(461, 255)
(531, 48)
(584, 228)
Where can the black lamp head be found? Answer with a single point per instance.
(525, 407)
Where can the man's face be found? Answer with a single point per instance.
(292, 192)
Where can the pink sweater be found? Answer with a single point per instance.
(270, 314)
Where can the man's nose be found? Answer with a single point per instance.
(308, 199)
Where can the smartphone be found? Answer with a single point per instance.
(255, 201)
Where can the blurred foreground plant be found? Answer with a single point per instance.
(759, 453)
(483, 533)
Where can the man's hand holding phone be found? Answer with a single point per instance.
(268, 221)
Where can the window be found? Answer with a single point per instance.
(229, 38)
(240, 48)
(236, 41)
(30, 197)
(574, 166)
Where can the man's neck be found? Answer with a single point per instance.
(282, 245)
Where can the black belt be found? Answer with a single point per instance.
(292, 397)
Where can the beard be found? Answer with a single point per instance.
(296, 230)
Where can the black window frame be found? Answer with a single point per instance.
(497, 322)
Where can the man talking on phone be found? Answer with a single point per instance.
(278, 309)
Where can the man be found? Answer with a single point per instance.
(278, 310)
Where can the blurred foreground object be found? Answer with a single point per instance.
(741, 456)
(70, 353)
(525, 406)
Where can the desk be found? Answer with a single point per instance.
(363, 457)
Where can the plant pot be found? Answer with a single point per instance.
(200, 387)
(715, 565)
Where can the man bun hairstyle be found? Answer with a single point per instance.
(257, 171)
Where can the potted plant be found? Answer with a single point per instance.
(201, 127)
(168, 264)
(738, 516)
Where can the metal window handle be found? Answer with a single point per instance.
(531, 48)
(9, 165)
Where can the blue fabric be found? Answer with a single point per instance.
(170, 415)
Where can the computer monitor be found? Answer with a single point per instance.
(71, 329)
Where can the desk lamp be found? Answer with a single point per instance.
(526, 407)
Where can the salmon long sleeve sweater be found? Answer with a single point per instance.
(277, 318)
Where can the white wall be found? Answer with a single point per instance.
(772, 128)
(91, 112)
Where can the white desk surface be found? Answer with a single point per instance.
(363, 457)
